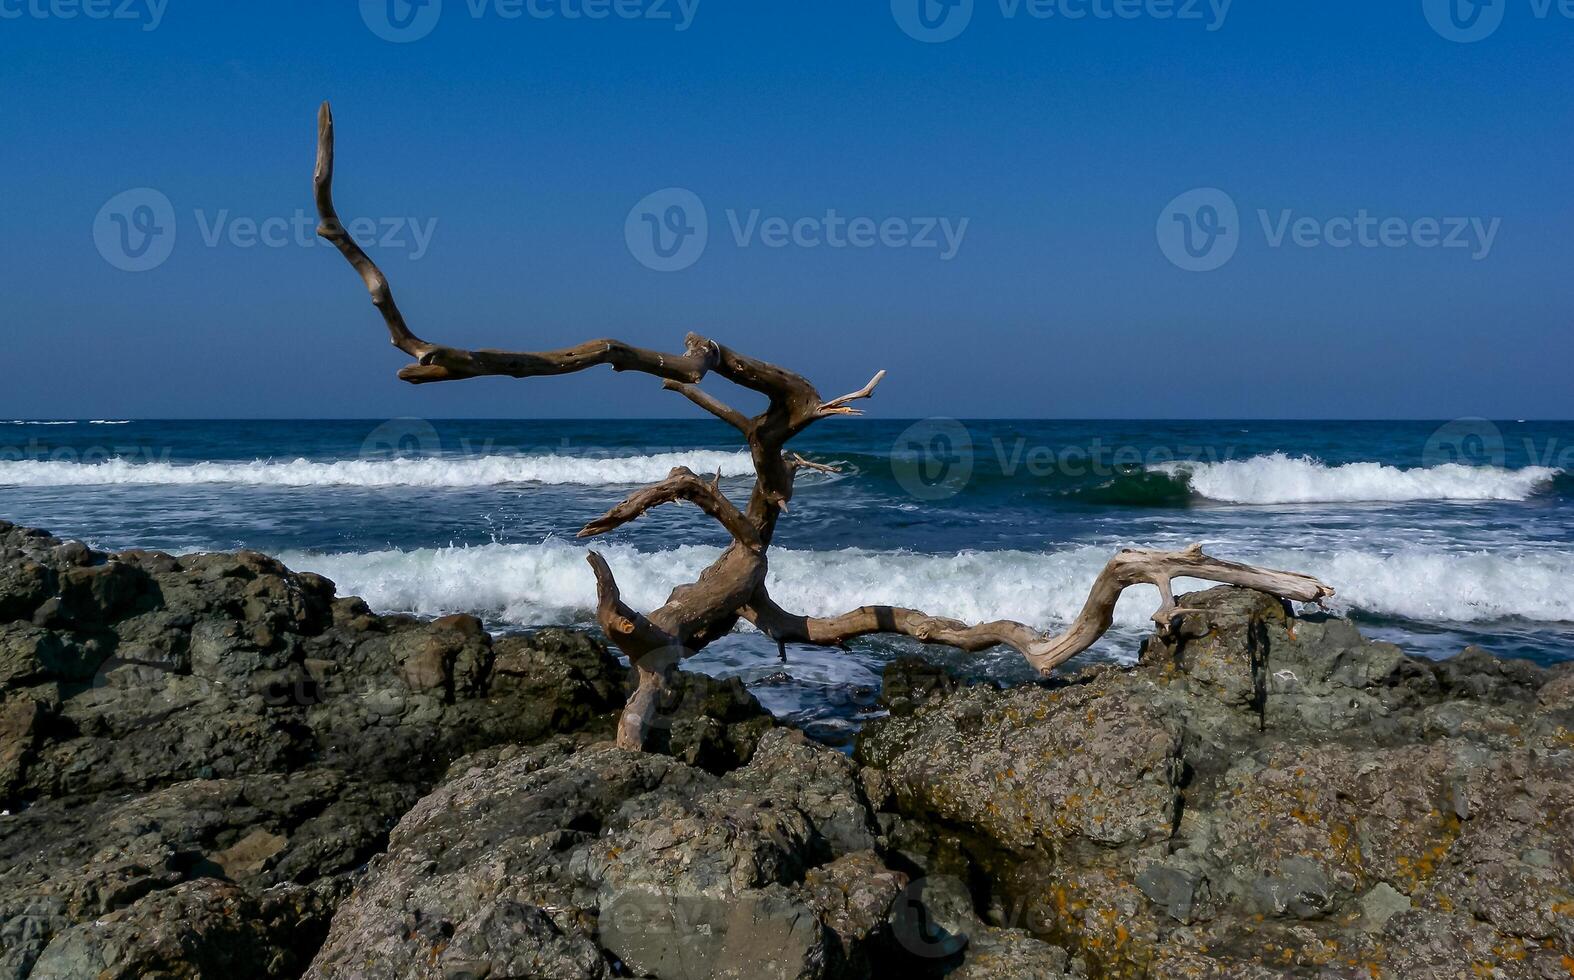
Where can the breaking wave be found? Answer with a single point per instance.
(480, 471)
(1284, 479)
(550, 583)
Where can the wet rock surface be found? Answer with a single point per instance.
(215, 768)
(1260, 796)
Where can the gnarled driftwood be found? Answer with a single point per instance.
(734, 586)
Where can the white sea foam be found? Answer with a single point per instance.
(1283, 479)
(475, 471)
(550, 583)
(27, 422)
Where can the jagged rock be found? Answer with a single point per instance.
(1007, 954)
(853, 897)
(200, 929)
(1260, 796)
(937, 933)
(601, 856)
(203, 756)
(823, 785)
(1035, 768)
(170, 724)
(227, 665)
(75, 860)
(708, 722)
(703, 886)
(474, 878)
(908, 682)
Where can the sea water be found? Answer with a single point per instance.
(1436, 535)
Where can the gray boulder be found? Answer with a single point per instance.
(600, 859)
(1260, 796)
(216, 728)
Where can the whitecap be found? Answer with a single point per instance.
(1282, 479)
(550, 583)
(437, 472)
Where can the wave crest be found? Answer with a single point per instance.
(437, 472)
(550, 583)
(1282, 479)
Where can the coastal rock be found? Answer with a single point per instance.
(712, 723)
(187, 739)
(199, 928)
(557, 863)
(214, 767)
(1036, 769)
(1261, 796)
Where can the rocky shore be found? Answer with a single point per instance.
(212, 767)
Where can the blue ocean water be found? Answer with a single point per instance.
(1436, 535)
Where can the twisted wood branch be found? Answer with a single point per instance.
(733, 586)
(681, 484)
(1044, 652)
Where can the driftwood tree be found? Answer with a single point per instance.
(734, 586)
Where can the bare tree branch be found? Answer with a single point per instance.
(839, 406)
(332, 229)
(681, 484)
(710, 403)
(633, 633)
(733, 586)
(797, 462)
(1045, 653)
(437, 363)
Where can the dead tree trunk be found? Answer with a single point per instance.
(734, 586)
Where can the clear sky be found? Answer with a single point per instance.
(1171, 209)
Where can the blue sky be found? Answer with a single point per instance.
(1000, 218)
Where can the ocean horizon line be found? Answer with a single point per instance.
(864, 420)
